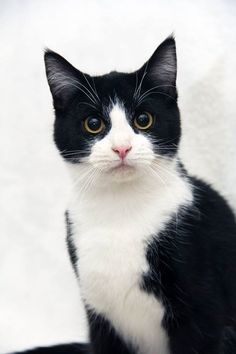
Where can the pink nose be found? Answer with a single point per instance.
(122, 151)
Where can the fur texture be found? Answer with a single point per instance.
(155, 248)
(60, 349)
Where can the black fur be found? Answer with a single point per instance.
(73, 253)
(192, 270)
(104, 338)
(60, 349)
(193, 261)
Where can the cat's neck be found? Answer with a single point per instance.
(168, 187)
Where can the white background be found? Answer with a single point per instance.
(39, 296)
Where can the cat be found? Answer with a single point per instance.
(154, 249)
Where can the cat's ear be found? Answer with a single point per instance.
(161, 68)
(63, 78)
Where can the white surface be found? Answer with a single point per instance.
(39, 298)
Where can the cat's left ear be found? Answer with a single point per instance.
(161, 68)
(64, 80)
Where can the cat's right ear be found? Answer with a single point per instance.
(63, 78)
(161, 68)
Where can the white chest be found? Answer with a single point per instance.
(111, 238)
(111, 263)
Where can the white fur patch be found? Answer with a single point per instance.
(113, 224)
(121, 132)
(104, 158)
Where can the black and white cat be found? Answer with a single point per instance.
(154, 249)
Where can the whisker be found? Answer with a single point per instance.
(95, 87)
(86, 88)
(84, 178)
(136, 84)
(89, 180)
(96, 94)
(155, 87)
(137, 93)
(164, 169)
(156, 92)
(89, 104)
(73, 153)
(75, 83)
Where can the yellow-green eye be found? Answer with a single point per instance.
(94, 125)
(143, 121)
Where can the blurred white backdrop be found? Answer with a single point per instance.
(39, 296)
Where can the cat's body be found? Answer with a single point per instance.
(146, 282)
(121, 237)
(112, 253)
(154, 249)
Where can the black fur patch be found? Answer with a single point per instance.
(70, 243)
(104, 338)
(192, 271)
(61, 349)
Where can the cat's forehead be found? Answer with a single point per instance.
(117, 115)
(116, 86)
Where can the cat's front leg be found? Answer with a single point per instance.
(104, 339)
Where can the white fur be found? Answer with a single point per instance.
(113, 225)
(121, 134)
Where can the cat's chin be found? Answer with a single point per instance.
(122, 168)
(123, 173)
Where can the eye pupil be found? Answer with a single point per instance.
(143, 121)
(94, 125)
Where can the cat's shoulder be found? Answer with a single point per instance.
(210, 200)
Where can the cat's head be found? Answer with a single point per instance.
(118, 126)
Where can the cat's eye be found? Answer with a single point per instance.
(143, 121)
(94, 125)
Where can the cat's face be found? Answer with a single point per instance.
(117, 126)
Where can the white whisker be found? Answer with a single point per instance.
(95, 93)
(156, 92)
(153, 88)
